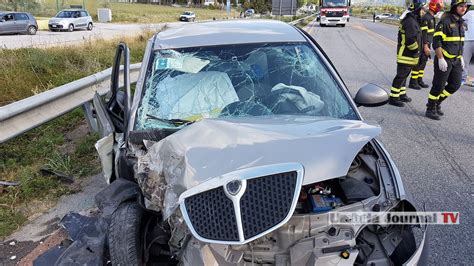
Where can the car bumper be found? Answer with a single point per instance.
(420, 257)
(334, 20)
(55, 26)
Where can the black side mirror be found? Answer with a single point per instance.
(120, 102)
(371, 95)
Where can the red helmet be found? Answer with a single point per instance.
(436, 5)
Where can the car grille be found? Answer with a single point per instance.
(334, 14)
(266, 202)
(212, 215)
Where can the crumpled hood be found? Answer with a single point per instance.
(213, 147)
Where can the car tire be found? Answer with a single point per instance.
(90, 26)
(343, 25)
(124, 234)
(70, 28)
(32, 30)
(321, 25)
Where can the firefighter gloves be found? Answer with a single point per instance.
(442, 64)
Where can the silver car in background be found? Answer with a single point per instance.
(70, 20)
(17, 22)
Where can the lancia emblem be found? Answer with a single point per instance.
(234, 187)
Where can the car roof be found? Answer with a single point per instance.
(227, 32)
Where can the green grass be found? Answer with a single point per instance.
(124, 12)
(61, 145)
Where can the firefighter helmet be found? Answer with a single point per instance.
(436, 5)
(458, 2)
(415, 5)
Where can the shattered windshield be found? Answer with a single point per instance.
(185, 85)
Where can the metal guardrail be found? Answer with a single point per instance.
(21, 116)
(294, 22)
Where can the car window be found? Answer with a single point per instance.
(21, 16)
(65, 14)
(237, 81)
(83, 14)
(8, 17)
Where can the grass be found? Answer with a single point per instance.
(62, 145)
(125, 12)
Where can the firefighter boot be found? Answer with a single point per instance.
(414, 84)
(438, 106)
(431, 110)
(422, 84)
(396, 101)
(404, 98)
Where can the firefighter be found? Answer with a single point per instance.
(448, 41)
(427, 28)
(408, 51)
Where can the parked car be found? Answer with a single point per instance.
(383, 16)
(70, 20)
(249, 12)
(17, 22)
(187, 16)
(238, 143)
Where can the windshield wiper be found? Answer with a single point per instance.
(174, 122)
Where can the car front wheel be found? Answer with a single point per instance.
(124, 234)
(89, 27)
(70, 28)
(32, 30)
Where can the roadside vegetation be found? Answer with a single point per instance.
(44, 160)
(121, 12)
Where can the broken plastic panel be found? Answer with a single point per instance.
(191, 84)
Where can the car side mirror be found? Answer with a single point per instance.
(371, 95)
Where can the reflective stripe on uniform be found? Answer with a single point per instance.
(453, 39)
(431, 30)
(448, 55)
(440, 33)
(394, 90)
(446, 93)
(403, 90)
(394, 95)
(432, 97)
(424, 28)
(421, 74)
(414, 74)
(413, 46)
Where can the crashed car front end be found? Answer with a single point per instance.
(262, 190)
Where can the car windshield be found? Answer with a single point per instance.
(65, 14)
(189, 84)
(187, 13)
(335, 3)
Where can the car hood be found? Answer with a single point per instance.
(58, 20)
(213, 147)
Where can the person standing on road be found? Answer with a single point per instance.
(373, 17)
(408, 51)
(448, 42)
(427, 30)
(468, 46)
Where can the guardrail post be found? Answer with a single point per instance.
(91, 121)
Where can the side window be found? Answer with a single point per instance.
(21, 16)
(8, 17)
(84, 14)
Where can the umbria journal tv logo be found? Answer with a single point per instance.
(388, 218)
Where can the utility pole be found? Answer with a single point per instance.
(57, 5)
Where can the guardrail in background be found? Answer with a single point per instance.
(294, 22)
(21, 116)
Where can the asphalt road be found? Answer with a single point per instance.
(436, 158)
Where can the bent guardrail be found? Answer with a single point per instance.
(26, 114)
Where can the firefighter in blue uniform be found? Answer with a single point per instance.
(408, 52)
(428, 24)
(448, 42)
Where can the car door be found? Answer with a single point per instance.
(111, 116)
(8, 23)
(21, 22)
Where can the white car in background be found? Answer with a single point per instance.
(187, 16)
(70, 20)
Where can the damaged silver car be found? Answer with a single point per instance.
(236, 146)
